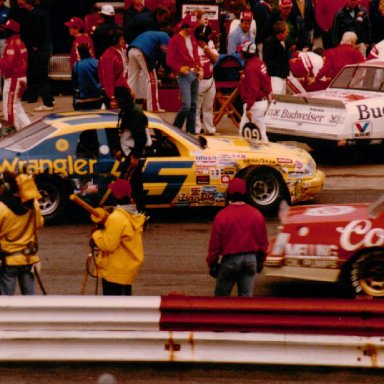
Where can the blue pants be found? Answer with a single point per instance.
(189, 90)
(9, 275)
(236, 269)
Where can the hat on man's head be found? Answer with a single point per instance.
(237, 185)
(12, 25)
(248, 47)
(285, 3)
(246, 15)
(121, 188)
(75, 22)
(107, 10)
(189, 21)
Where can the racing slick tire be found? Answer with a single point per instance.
(265, 190)
(250, 131)
(367, 274)
(54, 198)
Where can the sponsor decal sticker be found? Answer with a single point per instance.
(362, 129)
(333, 210)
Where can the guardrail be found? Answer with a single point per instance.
(192, 329)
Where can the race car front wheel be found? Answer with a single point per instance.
(367, 273)
(265, 190)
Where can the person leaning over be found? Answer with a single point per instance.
(120, 243)
(20, 218)
(239, 238)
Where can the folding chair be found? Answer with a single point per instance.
(227, 80)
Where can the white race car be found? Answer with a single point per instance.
(350, 112)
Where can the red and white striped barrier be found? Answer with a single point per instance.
(193, 329)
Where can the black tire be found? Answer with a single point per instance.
(54, 198)
(366, 275)
(251, 131)
(265, 190)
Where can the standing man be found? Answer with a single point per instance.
(113, 76)
(239, 238)
(145, 53)
(20, 218)
(255, 89)
(13, 66)
(276, 57)
(120, 243)
(183, 58)
(38, 40)
(354, 18)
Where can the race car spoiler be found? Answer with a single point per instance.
(301, 99)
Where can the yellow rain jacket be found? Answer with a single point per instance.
(16, 231)
(121, 247)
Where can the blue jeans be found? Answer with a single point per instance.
(236, 269)
(9, 275)
(189, 90)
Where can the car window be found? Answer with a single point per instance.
(28, 137)
(88, 144)
(162, 145)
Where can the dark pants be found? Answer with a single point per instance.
(37, 77)
(114, 289)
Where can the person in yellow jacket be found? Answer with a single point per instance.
(20, 218)
(120, 243)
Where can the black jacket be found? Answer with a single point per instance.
(276, 57)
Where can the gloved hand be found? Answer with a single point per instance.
(214, 270)
(113, 103)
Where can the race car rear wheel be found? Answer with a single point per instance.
(265, 189)
(54, 198)
(367, 274)
(251, 131)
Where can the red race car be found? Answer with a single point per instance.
(335, 243)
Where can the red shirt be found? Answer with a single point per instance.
(14, 61)
(238, 228)
(178, 54)
(256, 83)
(112, 71)
(80, 39)
(337, 58)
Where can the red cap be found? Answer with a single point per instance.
(12, 25)
(75, 22)
(121, 188)
(189, 20)
(246, 15)
(285, 3)
(237, 185)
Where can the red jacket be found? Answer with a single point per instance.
(80, 39)
(178, 55)
(256, 83)
(14, 61)
(238, 228)
(112, 71)
(337, 58)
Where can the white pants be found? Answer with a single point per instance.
(142, 80)
(204, 110)
(12, 108)
(258, 110)
(279, 85)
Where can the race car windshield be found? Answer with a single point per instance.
(360, 78)
(28, 137)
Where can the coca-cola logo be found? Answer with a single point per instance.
(360, 234)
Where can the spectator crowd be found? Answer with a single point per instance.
(308, 41)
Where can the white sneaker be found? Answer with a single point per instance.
(43, 108)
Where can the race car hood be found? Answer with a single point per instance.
(324, 213)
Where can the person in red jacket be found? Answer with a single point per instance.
(239, 238)
(113, 77)
(255, 89)
(336, 58)
(13, 66)
(184, 60)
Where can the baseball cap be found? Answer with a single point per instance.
(190, 21)
(75, 22)
(248, 47)
(108, 10)
(285, 3)
(237, 185)
(12, 25)
(121, 188)
(246, 15)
